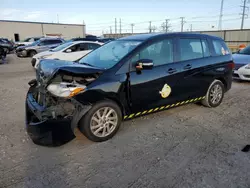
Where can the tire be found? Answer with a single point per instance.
(88, 126)
(208, 101)
(32, 53)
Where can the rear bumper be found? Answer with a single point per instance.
(51, 132)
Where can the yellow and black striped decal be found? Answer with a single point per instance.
(162, 108)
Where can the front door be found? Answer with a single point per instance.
(156, 87)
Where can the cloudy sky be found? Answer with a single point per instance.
(99, 15)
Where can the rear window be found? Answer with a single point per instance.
(220, 47)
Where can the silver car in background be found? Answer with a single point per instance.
(38, 46)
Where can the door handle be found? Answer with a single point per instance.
(171, 71)
(188, 66)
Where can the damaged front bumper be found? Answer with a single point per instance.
(54, 131)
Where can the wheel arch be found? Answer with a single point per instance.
(223, 80)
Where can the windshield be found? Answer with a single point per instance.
(245, 51)
(108, 55)
(62, 46)
(35, 43)
(27, 40)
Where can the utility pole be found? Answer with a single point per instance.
(120, 26)
(182, 23)
(244, 15)
(150, 27)
(191, 27)
(132, 28)
(221, 15)
(110, 27)
(166, 25)
(115, 26)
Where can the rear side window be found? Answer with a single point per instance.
(190, 49)
(220, 47)
(206, 51)
(92, 46)
(55, 41)
(83, 47)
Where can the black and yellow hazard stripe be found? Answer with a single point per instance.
(162, 108)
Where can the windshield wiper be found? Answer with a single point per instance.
(87, 64)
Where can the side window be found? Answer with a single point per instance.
(190, 49)
(83, 47)
(55, 41)
(31, 40)
(160, 52)
(75, 48)
(206, 51)
(92, 46)
(220, 47)
(44, 42)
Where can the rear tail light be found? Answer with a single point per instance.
(231, 65)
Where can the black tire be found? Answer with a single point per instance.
(32, 53)
(84, 123)
(208, 100)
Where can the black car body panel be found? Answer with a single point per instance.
(136, 93)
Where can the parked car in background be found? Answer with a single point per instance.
(7, 45)
(103, 40)
(27, 41)
(38, 46)
(69, 51)
(127, 78)
(242, 64)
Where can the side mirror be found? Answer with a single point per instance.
(144, 64)
(68, 50)
(39, 44)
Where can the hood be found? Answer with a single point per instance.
(241, 59)
(40, 55)
(49, 67)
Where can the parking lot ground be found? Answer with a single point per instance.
(188, 146)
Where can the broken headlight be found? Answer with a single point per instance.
(65, 89)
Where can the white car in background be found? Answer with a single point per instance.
(69, 51)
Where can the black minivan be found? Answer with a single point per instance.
(124, 79)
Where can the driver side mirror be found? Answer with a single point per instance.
(144, 64)
(68, 50)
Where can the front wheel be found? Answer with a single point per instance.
(214, 94)
(101, 122)
(32, 53)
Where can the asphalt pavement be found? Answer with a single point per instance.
(188, 146)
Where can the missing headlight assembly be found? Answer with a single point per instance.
(56, 95)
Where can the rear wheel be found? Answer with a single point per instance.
(101, 122)
(214, 94)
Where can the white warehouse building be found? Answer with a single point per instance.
(19, 30)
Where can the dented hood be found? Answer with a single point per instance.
(49, 67)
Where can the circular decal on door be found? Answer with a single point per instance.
(166, 90)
